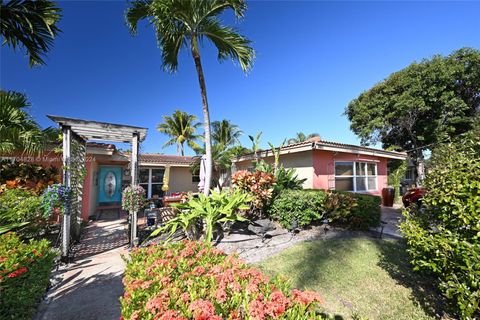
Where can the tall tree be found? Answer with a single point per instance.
(18, 130)
(301, 137)
(186, 24)
(225, 133)
(31, 24)
(421, 105)
(181, 127)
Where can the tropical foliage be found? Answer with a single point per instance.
(24, 275)
(301, 137)
(181, 127)
(133, 198)
(31, 24)
(225, 133)
(259, 184)
(421, 105)
(187, 24)
(18, 130)
(27, 176)
(20, 211)
(200, 217)
(444, 236)
(193, 280)
(225, 137)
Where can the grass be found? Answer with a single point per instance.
(359, 277)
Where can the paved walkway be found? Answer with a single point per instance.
(89, 288)
(392, 216)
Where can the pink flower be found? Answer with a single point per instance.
(256, 310)
(202, 309)
(171, 315)
(220, 295)
(306, 297)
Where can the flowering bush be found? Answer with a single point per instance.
(24, 275)
(193, 280)
(259, 184)
(55, 196)
(133, 198)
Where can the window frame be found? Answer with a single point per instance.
(355, 176)
(150, 183)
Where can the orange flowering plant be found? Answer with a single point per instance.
(24, 275)
(194, 280)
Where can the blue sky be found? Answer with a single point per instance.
(312, 59)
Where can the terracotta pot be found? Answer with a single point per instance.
(55, 216)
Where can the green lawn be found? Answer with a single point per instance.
(360, 277)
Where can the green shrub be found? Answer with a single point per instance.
(24, 275)
(19, 206)
(193, 280)
(303, 206)
(443, 236)
(365, 214)
(350, 210)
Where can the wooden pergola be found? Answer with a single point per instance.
(76, 133)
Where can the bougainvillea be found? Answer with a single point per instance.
(24, 275)
(193, 280)
(259, 184)
(133, 198)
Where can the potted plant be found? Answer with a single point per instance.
(133, 198)
(55, 200)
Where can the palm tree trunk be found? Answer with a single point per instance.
(182, 149)
(206, 123)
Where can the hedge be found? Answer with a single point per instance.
(303, 206)
(24, 275)
(350, 210)
(193, 280)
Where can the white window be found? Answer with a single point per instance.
(355, 176)
(151, 179)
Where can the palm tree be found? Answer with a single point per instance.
(31, 24)
(225, 133)
(181, 127)
(301, 137)
(18, 130)
(185, 24)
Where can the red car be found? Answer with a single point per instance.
(414, 195)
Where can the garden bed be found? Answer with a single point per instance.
(24, 275)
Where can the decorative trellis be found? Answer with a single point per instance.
(76, 133)
(78, 173)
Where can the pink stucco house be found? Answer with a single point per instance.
(331, 165)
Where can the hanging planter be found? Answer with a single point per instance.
(133, 198)
(55, 200)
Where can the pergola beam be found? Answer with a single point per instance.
(86, 130)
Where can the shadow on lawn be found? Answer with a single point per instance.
(394, 259)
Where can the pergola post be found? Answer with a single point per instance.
(67, 181)
(134, 183)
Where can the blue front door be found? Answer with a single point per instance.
(110, 185)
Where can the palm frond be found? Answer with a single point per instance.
(229, 43)
(31, 24)
(138, 10)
